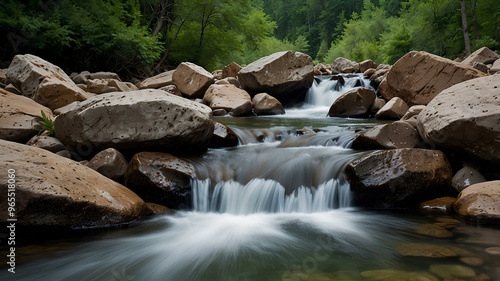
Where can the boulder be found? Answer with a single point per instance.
(481, 67)
(143, 119)
(321, 69)
(52, 191)
(228, 80)
(171, 89)
(393, 135)
(495, 67)
(223, 137)
(20, 117)
(264, 104)
(399, 178)
(158, 81)
(480, 203)
(465, 118)
(109, 163)
(284, 75)
(46, 142)
(102, 86)
(366, 64)
(413, 111)
(441, 205)
(343, 65)
(369, 72)
(378, 103)
(393, 109)
(419, 76)
(231, 70)
(466, 177)
(234, 100)
(353, 103)
(192, 80)
(161, 178)
(44, 82)
(483, 55)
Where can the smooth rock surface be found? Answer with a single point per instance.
(480, 203)
(393, 109)
(109, 163)
(46, 142)
(466, 177)
(161, 80)
(264, 104)
(398, 134)
(441, 204)
(234, 100)
(353, 103)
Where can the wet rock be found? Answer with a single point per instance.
(393, 109)
(219, 112)
(398, 134)
(161, 178)
(366, 64)
(452, 270)
(474, 261)
(58, 192)
(399, 178)
(192, 80)
(483, 55)
(465, 118)
(46, 142)
(223, 137)
(230, 98)
(264, 104)
(354, 103)
(44, 82)
(157, 209)
(397, 275)
(425, 250)
(465, 177)
(378, 103)
(109, 163)
(442, 204)
(419, 76)
(171, 89)
(433, 230)
(495, 251)
(379, 76)
(158, 81)
(284, 75)
(343, 65)
(480, 203)
(231, 70)
(20, 117)
(137, 120)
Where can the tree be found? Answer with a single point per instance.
(465, 27)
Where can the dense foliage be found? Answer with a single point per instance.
(141, 37)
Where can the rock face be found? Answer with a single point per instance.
(161, 178)
(19, 117)
(230, 98)
(284, 75)
(393, 135)
(161, 80)
(192, 80)
(55, 191)
(399, 178)
(143, 119)
(483, 55)
(393, 109)
(109, 163)
(480, 203)
(466, 118)
(44, 82)
(354, 103)
(419, 76)
(264, 104)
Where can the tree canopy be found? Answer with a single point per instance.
(143, 37)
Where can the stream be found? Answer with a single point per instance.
(276, 207)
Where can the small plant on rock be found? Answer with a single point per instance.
(47, 125)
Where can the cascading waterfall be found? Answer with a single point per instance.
(325, 91)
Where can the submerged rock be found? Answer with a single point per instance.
(399, 178)
(58, 192)
(397, 275)
(442, 204)
(452, 271)
(480, 203)
(425, 250)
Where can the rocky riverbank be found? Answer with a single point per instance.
(115, 143)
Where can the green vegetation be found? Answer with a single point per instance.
(47, 125)
(143, 37)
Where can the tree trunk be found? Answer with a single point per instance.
(473, 5)
(465, 28)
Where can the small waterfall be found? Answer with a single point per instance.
(267, 196)
(326, 90)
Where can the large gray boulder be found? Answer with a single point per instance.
(137, 120)
(399, 178)
(44, 82)
(52, 191)
(418, 77)
(284, 75)
(466, 118)
(20, 117)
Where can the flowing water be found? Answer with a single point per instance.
(277, 207)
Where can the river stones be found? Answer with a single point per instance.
(232, 99)
(109, 163)
(418, 77)
(44, 82)
(223, 137)
(398, 178)
(452, 270)
(480, 203)
(137, 120)
(433, 230)
(353, 103)
(397, 275)
(465, 118)
(394, 109)
(425, 250)
(343, 65)
(58, 192)
(466, 177)
(192, 80)
(398, 134)
(284, 75)
(264, 104)
(161, 178)
(231, 70)
(46, 142)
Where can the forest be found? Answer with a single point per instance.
(138, 38)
